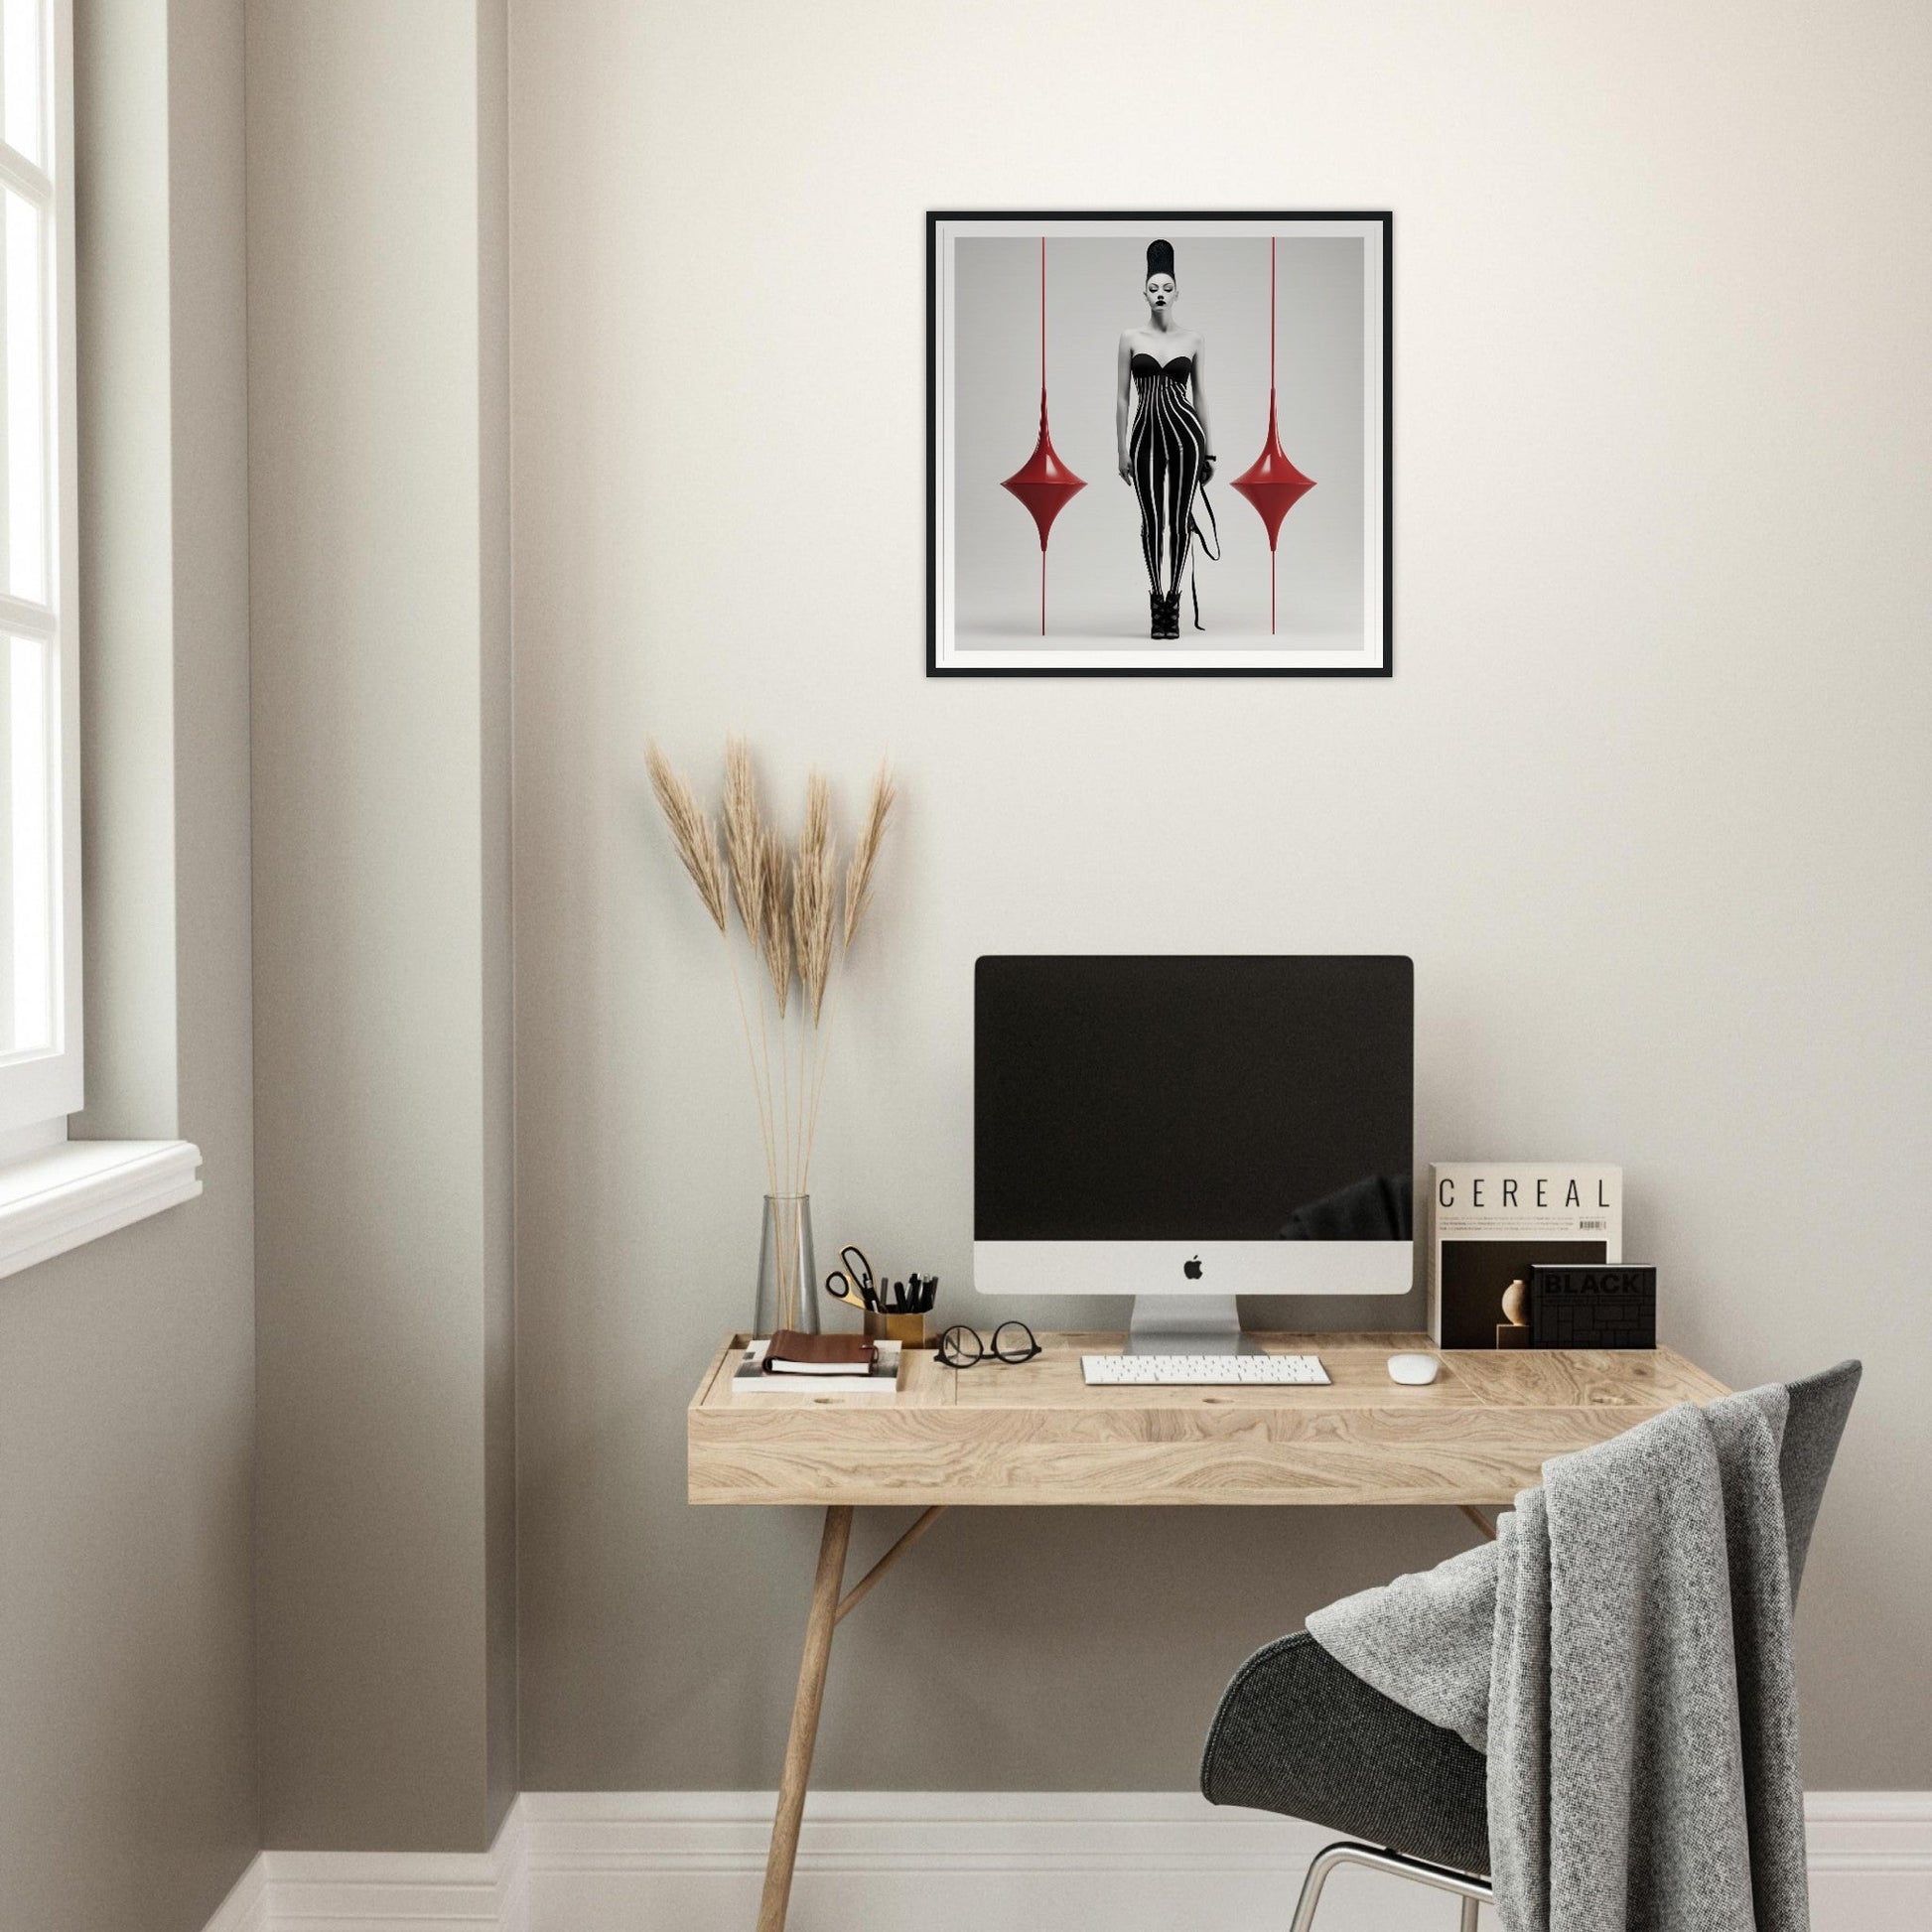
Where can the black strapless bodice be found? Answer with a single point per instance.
(1178, 371)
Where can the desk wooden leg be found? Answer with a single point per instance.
(805, 1718)
(858, 1593)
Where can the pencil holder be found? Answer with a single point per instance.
(909, 1330)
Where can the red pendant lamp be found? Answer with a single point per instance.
(1272, 484)
(1044, 483)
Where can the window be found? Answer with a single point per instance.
(40, 792)
(55, 1193)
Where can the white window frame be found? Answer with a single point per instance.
(56, 1192)
(40, 1088)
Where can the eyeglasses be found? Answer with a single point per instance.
(964, 1347)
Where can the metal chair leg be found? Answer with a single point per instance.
(1323, 1863)
(1471, 1891)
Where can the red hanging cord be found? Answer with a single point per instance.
(1271, 483)
(1044, 483)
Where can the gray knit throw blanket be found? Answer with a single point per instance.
(1623, 1652)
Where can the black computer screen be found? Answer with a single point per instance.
(1224, 1098)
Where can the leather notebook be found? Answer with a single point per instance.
(793, 1353)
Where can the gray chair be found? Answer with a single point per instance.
(1300, 1734)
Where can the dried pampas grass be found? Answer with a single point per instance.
(692, 832)
(745, 837)
(865, 851)
(787, 908)
(775, 919)
(814, 896)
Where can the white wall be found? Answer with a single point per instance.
(1646, 797)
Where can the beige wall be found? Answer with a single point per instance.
(127, 1788)
(378, 582)
(1646, 797)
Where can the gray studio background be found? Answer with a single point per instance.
(1097, 585)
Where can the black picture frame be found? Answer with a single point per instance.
(1157, 218)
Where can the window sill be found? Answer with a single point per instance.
(79, 1190)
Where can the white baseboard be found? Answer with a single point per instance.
(1870, 1855)
(385, 1891)
(953, 1861)
(245, 1909)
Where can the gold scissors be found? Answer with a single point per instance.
(852, 1282)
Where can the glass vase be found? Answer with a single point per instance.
(787, 1271)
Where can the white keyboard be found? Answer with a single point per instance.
(1202, 1371)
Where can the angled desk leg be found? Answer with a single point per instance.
(828, 1608)
(804, 1718)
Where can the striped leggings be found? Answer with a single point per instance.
(1167, 449)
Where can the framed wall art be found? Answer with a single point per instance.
(1157, 444)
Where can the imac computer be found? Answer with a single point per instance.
(1185, 1129)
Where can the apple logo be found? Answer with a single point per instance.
(1191, 1268)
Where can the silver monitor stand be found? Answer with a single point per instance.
(1186, 1324)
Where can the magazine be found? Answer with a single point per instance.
(1490, 1220)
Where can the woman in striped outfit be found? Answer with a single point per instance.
(1164, 451)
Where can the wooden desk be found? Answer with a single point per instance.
(1035, 1433)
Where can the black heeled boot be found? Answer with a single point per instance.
(1157, 615)
(1170, 625)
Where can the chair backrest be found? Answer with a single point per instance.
(1819, 1407)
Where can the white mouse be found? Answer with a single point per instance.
(1414, 1369)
